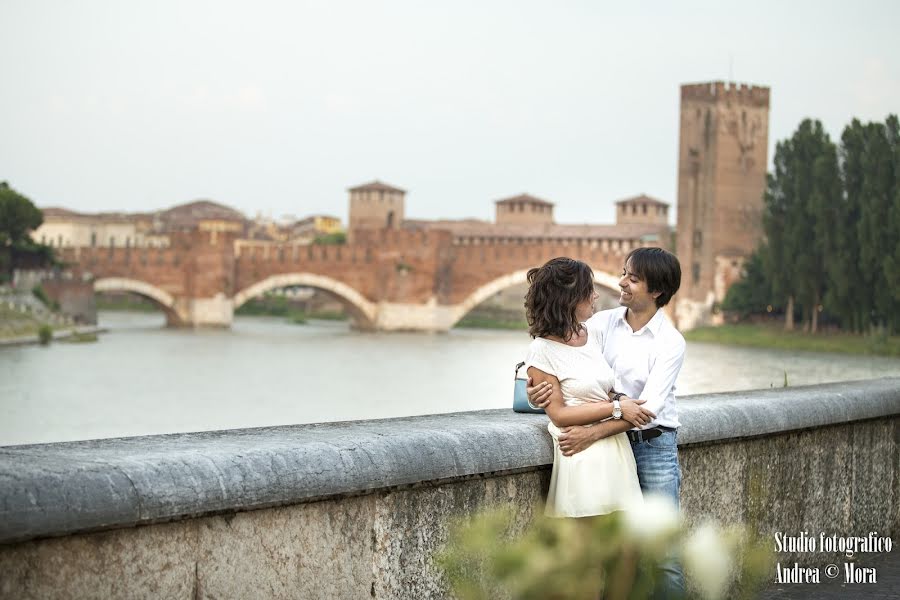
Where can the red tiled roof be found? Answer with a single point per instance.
(191, 213)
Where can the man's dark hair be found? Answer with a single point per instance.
(659, 268)
(556, 289)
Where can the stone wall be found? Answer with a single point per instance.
(358, 509)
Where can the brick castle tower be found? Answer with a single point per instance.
(723, 156)
(375, 205)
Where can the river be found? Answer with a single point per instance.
(141, 378)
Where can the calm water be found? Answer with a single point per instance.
(141, 378)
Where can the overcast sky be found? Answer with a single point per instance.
(278, 107)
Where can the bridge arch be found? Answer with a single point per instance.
(141, 288)
(362, 310)
(601, 278)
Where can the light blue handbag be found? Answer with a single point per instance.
(520, 396)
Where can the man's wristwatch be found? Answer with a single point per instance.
(617, 409)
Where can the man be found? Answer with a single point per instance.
(646, 353)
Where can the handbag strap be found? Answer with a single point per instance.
(518, 366)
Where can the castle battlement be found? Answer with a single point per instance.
(717, 91)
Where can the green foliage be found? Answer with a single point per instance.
(766, 336)
(45, 334)
(39, 293)
(595, 557)
(18, 215)
(753, 293)
(331, 239)
(78, 337)
(277, 305)
(471, 321)
(124, 302)
(832, 230)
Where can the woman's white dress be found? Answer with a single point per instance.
(602, 478)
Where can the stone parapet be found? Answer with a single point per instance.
(358, 509)
(57, 489)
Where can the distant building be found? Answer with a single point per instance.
(523, 209)
(316, 225)
(63, 228)
(205, 215)
(375, 205)
(525, 218)
(66, 228)
(723, 155)
(642, 210)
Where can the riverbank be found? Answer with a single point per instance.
(72, 335)
(773, 336)
(471, 321)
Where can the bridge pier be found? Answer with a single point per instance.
(395, 316)
(201, 312)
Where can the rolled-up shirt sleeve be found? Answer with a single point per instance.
(662, 376)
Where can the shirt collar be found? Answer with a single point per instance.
(652, 325)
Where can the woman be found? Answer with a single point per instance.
(568, 353)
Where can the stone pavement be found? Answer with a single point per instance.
(886, 586)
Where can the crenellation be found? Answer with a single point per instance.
(718, 91)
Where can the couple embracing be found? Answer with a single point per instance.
(607, 382)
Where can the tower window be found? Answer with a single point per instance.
(695, 269)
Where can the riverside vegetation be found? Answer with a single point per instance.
(831, 248)
(774, 336)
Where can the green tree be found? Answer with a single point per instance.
(891, 263)
(805, 183)
(874, 185)
(853, 308)
(775, 226)
(18, 216)
(753, 293)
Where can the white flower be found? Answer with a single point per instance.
(708, 561)
(654, 523)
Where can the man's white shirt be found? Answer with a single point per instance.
(646, 362)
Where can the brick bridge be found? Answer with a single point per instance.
(388, 279)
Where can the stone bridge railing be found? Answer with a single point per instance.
(357, 510)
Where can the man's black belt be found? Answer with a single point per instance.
(642, 435)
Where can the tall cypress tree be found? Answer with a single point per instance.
(820, 204)
(876, 197)
(799, 193)
(855, 307)
(775, 225)
(891, 263)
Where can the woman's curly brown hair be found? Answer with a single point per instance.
(556, 289)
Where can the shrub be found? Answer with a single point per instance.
(45, 334)
(615, 556)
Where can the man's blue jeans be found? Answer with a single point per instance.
(659, 473)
